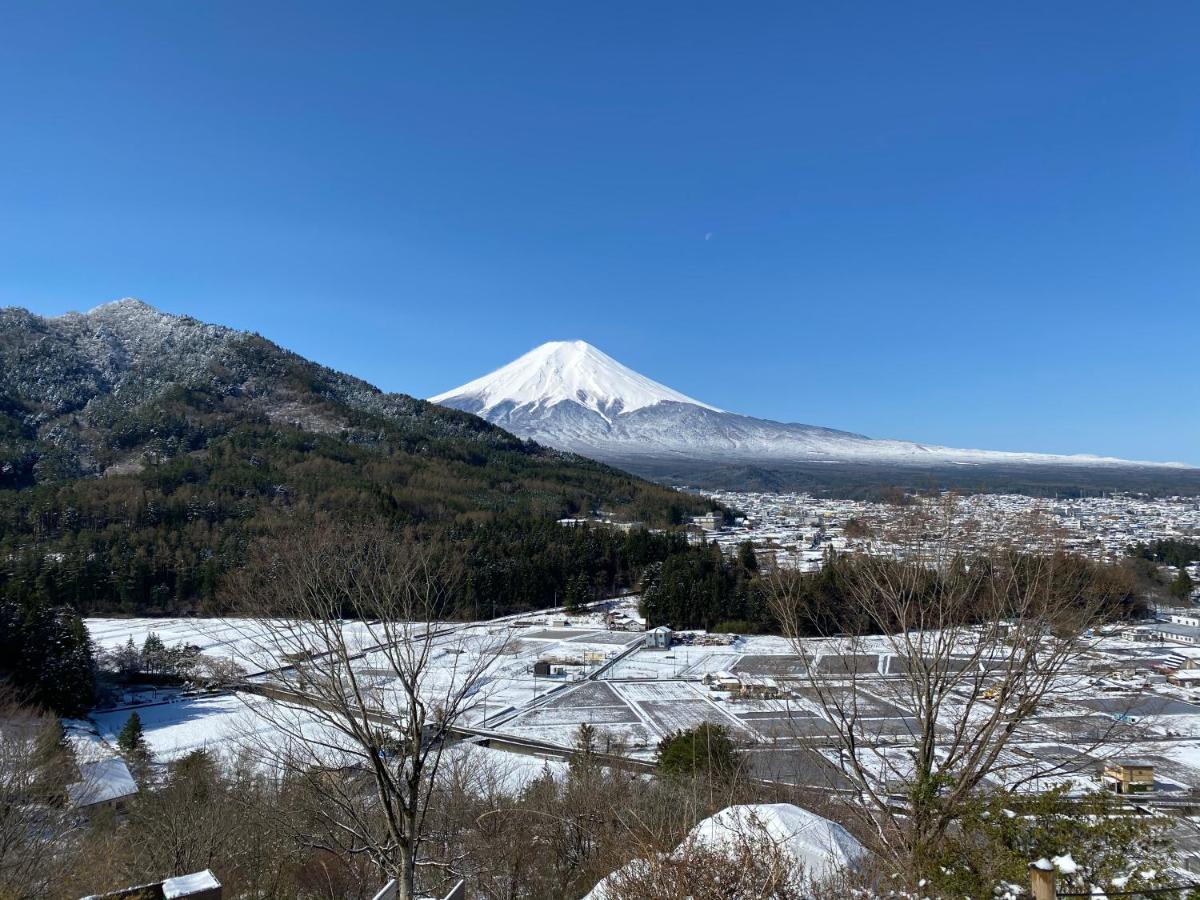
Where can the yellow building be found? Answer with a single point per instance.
(1127, 777)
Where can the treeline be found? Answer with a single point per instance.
(703, 588)
(700, 587)
(46, 657)
(514, 565)
(1169, 551)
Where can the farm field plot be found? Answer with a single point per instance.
(672, 706)
(1079, 728)
(774, 666)
(698, 662)
(610, 638)
(682, 715)
(677, 662)
(221, 723)
(1141, 706)
(773, 720)
(590, 693)
(901, 725)
(800, 725)
(867, 705)
(796, 765)
(658, 691)
(576, 715)
(902, 665)
(848, 664)
(555, 634)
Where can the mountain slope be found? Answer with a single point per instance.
(573, 396)
(140, 452)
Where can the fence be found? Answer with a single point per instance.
(458, 892)
(1043, 883)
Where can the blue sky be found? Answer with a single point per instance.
(971, 224)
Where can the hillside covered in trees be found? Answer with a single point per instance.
(142, 453)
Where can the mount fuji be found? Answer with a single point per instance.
(571, 395)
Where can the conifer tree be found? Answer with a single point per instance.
(154, 654)
(1182, 586)
(128, 660)
(132, 740)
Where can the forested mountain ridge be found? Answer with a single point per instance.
(84, 393)
(141, 452)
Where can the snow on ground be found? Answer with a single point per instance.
(176, 728)
(246, 642)
(649, 694)
(485, 771)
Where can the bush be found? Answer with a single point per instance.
(705, 749)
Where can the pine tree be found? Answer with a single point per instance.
(704, 749)
(154, 654)
(54, 662)
(132, 740)
(1182, 586)
(576, 594)
(746, 557)
(128, 659)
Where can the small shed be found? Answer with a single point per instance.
(541, 669)
(197, 886)
(659, 638)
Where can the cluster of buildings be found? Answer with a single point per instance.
(795, 530)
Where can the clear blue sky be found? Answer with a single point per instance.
(972, 224)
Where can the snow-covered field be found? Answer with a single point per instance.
(634, 696)
(245, 642)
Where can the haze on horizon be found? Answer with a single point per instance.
(972, 227)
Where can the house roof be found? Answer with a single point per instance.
(186, 885)
(103, 781)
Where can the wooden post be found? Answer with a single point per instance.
(1041, 881)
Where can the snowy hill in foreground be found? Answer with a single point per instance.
(570, 395)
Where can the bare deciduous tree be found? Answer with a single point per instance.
(364, 675)
(939, 667)
(34, 772)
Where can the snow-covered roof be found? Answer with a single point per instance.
(187, 885)
(102, 781)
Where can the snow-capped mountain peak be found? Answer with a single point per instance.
(560, 371)
(569, 395)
